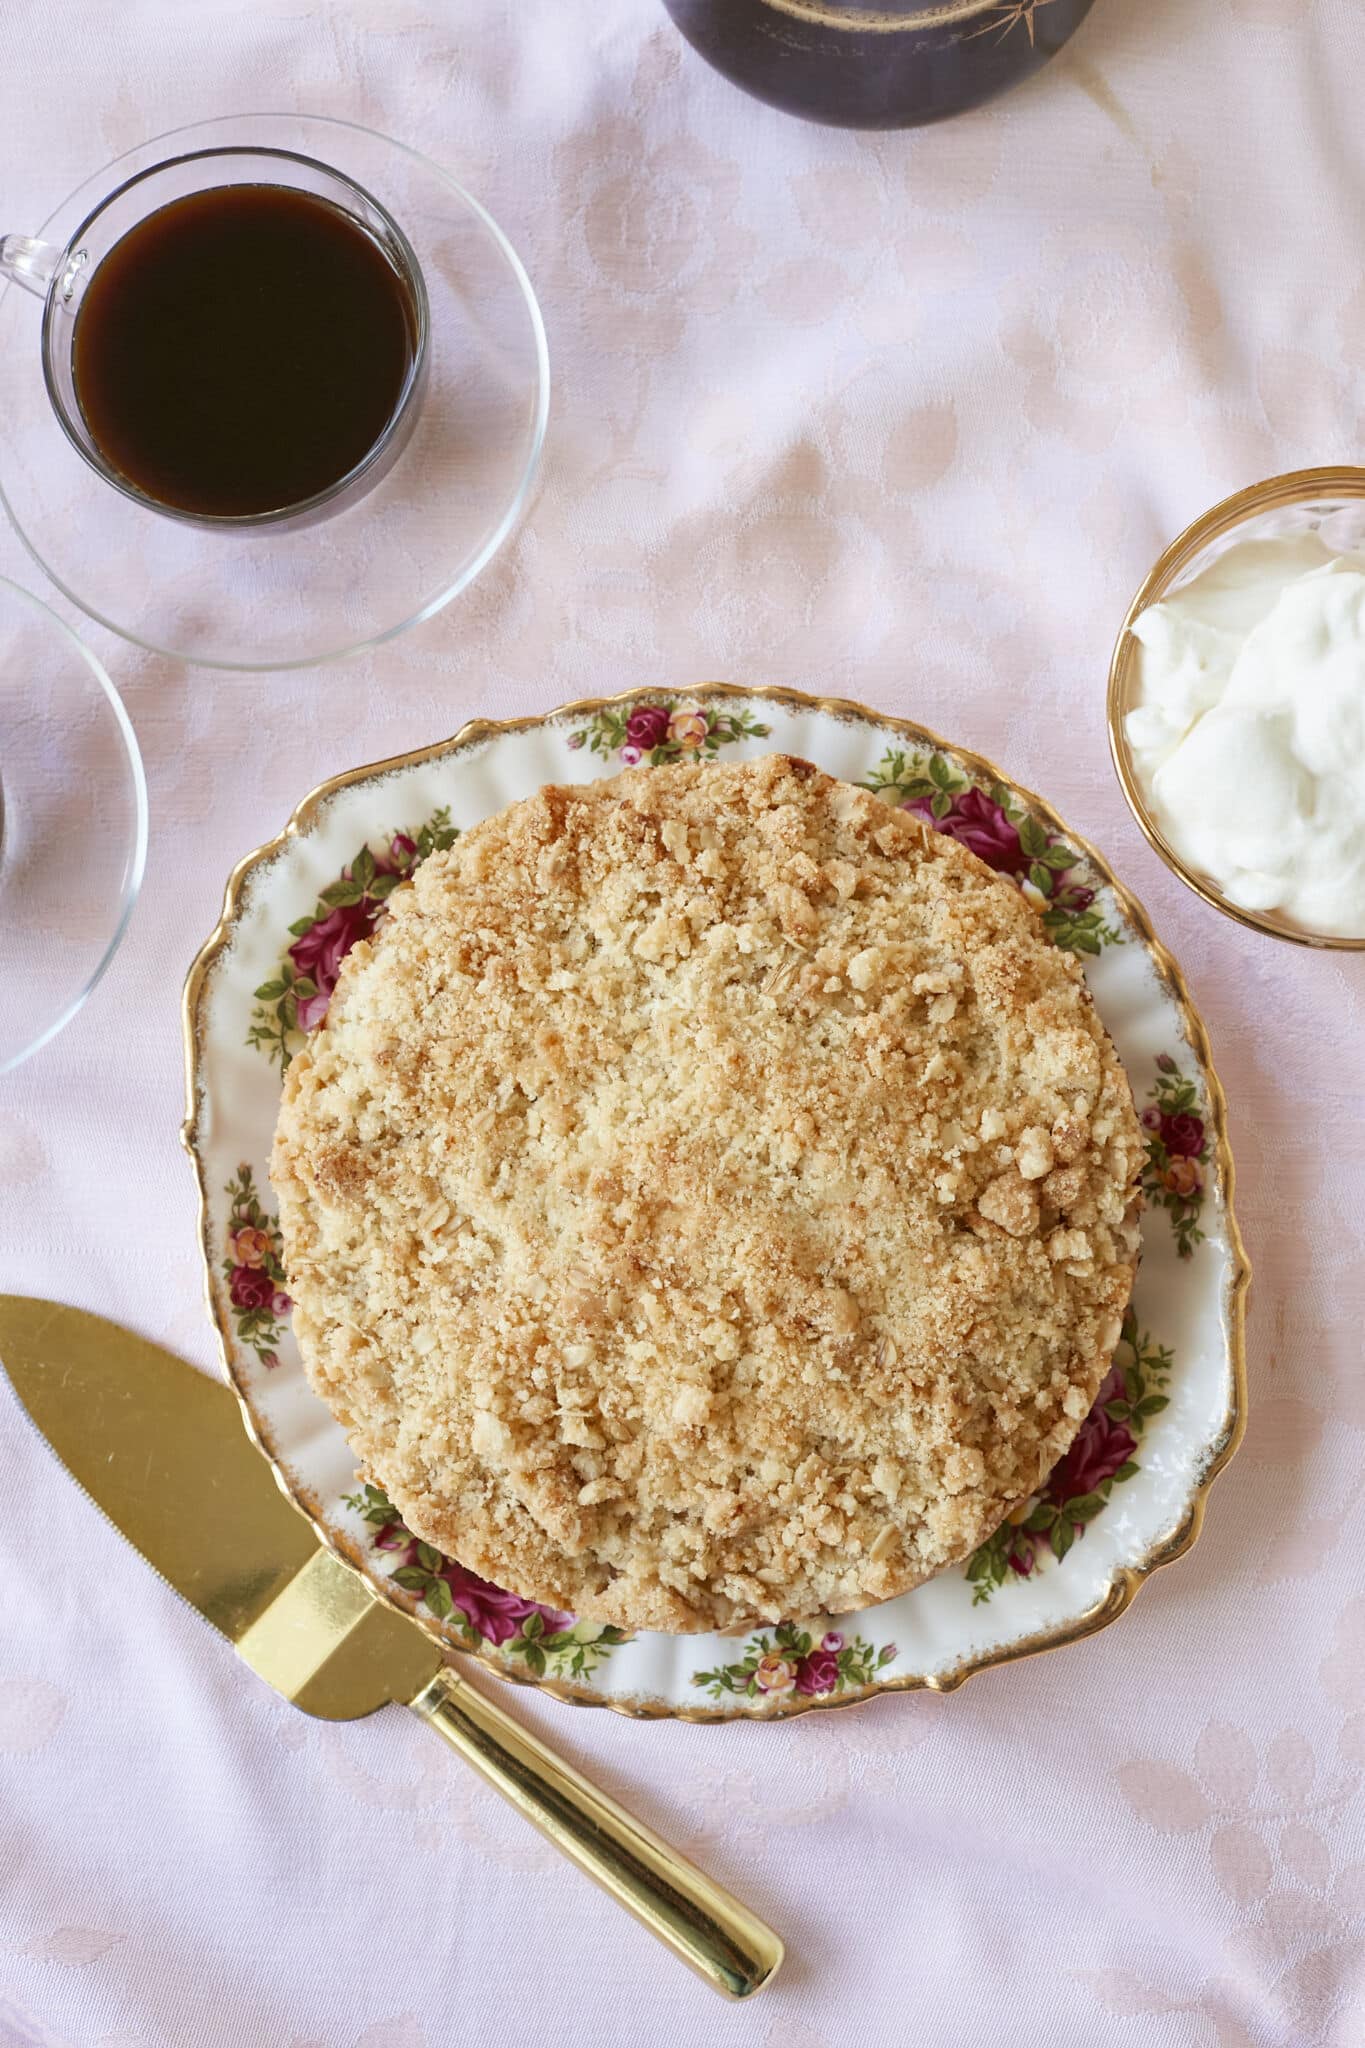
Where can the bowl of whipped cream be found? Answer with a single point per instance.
(1237, 707)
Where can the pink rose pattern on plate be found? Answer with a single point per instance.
(543, 1640)
(294, 1001)
(655, 729)
(789, 1660)
(990, 822)
(1178, 1153)
(1102, 1456)
(253, 1270)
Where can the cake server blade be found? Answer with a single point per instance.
(161, 1450)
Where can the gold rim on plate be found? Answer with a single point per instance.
(1129, 1578)
(1296, 487)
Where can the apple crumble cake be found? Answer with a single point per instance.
(710, 1199)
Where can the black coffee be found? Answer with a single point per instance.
(242, 349)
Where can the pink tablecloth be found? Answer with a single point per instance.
(905, 419)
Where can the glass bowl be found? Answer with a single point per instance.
(1328, 502)
(73, 823)
(258, 597)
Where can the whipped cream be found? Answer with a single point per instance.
(1248, 735)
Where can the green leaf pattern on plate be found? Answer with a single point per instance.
(543, 1641)
(651, 730)
(1104, 1455)
(253, 1269)
(788, 1659)
(1178, 1151)
(293, 1001)
(989, 819)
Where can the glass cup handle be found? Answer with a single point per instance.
(36, 265)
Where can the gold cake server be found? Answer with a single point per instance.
(162, 1451)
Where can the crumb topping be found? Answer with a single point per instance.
(710, 1199)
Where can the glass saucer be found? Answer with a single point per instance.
(73, 823)
(273, 598)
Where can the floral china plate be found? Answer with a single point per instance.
(1127, 1497)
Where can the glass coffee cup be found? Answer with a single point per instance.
(315, 255)
(373, 547)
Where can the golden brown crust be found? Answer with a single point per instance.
(711, 1198)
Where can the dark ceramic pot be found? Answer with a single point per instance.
(877, 63)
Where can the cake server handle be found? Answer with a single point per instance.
(704, 1925)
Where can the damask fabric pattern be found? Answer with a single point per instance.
(905, 418)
